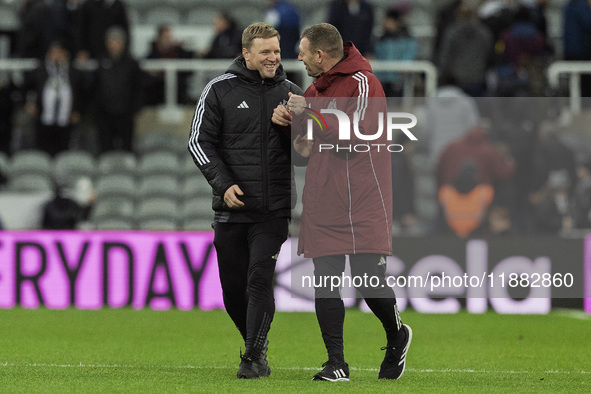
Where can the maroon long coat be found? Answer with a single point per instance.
(347, 196)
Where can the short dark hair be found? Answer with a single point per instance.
(258, 30)
(325, 37)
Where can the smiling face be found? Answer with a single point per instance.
(264, 55)
(310, 58)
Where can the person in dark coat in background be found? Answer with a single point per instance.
(576, 37)
(117, 92)
(166, 47)
(56, 93)
(30, 39)
(354, 19)
(94, 20)
(227, 41)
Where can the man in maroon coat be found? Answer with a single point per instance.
(347, 196)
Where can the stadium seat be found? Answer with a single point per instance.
(9, 18)
(158, 225)
(159, 163)
(114, 224)
(160, 142)
(4, 163)
(158, 186)
(156, 208)
(118, 185)
(112, 208)
(248, 13)
(194, 186)
(27, 183)
(117, 162)
(196, 214)
(188, 166)
(73, 164)
(162, 14)
(200, 16)
(30, 162)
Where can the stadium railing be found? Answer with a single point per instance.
(573, 69)
(203, 66)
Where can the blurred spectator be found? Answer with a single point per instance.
(467, 172)
(465, 202)
(466, 52)
(582, 195)
(117, 94)
(354, 19)
(523, 56)
(165, 47)
(95, 18)
(6, 113)
(492, 164)
(403, 185)
(284, 17)
(54, 99)
(499, 221)
(537, 15)
(550, 155)
(554, 212)
(227, 42)
(577, 37)
(61, 22)
(396, 43)
(30, 40)
(450, 114)
(61, 212)
(497, 15)
(446, 16)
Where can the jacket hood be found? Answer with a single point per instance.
(352, 62)
(238, 67)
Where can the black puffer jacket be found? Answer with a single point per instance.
(233, 141)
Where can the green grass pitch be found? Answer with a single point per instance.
(178, 351)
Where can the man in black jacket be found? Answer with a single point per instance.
(246, 160)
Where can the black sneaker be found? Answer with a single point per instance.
(262, 364)
(333, 372)
(395, 360)
(249, 368)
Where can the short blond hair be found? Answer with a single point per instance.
(258, 30)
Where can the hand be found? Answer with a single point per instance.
(303, 145)
(281, 116)
(231, 199)
(296, 103)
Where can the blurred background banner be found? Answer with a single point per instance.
(164, 270)
(92, 270)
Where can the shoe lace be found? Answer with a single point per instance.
(392, 354)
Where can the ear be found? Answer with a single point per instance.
(245, 53)
(320, 54)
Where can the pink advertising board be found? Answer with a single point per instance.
(92, 270)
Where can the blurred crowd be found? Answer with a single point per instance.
(494, 173)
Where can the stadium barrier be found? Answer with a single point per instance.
(164, 270)
(573, 70)
(203, 66)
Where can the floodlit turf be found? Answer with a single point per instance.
(157, 352)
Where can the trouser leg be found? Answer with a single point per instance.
(231, 245)
(265, 240)
(380, 298)
(330, 309)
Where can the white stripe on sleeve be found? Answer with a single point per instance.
(194, 146)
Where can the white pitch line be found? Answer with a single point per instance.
(414, 370)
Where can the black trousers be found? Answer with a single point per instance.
(115, 131)
(330, 309)
(247, 255)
